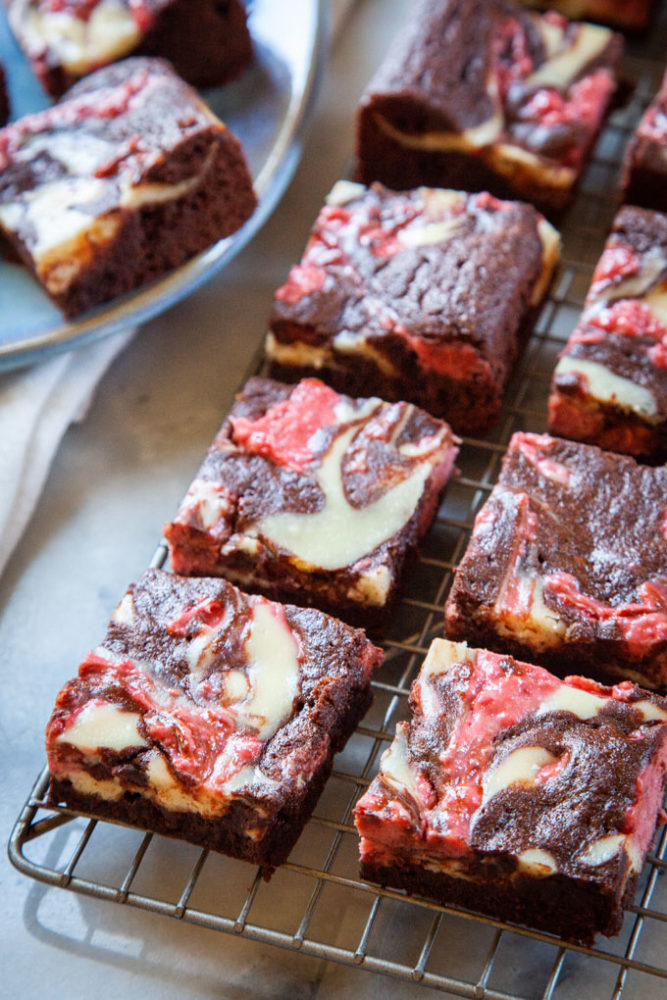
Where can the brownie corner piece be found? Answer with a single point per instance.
(644, 178)
(209, 715)
(207, 41)
(516, 794)
(127, 177)
(488, 97)
(314, 496)
(610, 383)
(567, 563)
(387, 298)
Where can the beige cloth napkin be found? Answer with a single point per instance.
(36, 408)
(39, 404)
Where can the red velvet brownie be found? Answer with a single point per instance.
(632, 14)
(207, 41)
(316, 497)
(488, 96)
(644, 179)
(419, 295)
(517, 794)
(610, 384)
(128, 176)
(209, 715)
(567, 563)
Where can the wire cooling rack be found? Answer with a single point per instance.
(316, 904)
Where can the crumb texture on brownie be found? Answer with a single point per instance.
(511, 791)
(610, 383)
(309, 493)
(207, 41)
(204, 702)
(388, 298)
(567, 563)
(644, 180)
(488, 95)
(128, 176)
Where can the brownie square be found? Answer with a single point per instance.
(312, 496)
(631, 14)
(209, 715)
(644, 180)
(127, 177)
(610, 384)
(420, 295)
(207, 41)
(488, 96)
(567, 563)
(511, 792)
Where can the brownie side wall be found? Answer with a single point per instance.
(227, 833)
(159, 237)
(572, 909)
(600, 659)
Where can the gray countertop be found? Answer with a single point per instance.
(118, 475)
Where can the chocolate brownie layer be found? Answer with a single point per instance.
(314, 496)
(610, 384)
(207, 41)
(129, 176)
(644, 180)
(487, 95)
(419, 295)
(511, 792)
(209, 715)
(567, 563)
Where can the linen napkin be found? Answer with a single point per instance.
(37, 406)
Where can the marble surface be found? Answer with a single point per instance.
(117, 477)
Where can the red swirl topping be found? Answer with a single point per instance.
(615, 264)
(283, 434)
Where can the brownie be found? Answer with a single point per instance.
(312, 496)
(610, 383)
(644, 179)
(630, 14)
(207, 41)
(209, 715)
(567, 563)
(127, 177)
(420, 295)
(488, 96)
(517, 794)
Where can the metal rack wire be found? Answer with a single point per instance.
(316, 904)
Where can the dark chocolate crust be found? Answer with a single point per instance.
(576, 414)
(560, 905)
(417, 90)
(644, 177)
(606, 533)
(262, 822)
(256, 486)
(207, 41)
(419, 301)
(169, 138)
